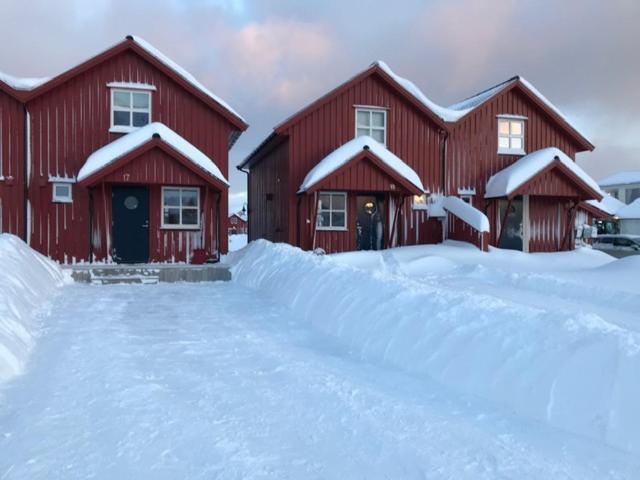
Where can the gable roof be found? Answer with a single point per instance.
(106, 159)
(470, 104)
(609, 204)
(510, 180)
(631, 211)
(351, 151)
(26, 89)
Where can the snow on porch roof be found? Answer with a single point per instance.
(342, 155)
(111, 152)
(609, 205)
(508, 180)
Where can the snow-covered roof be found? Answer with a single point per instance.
(631, 211)
(466, 213)
(508, 180)
(342, 155)
(608, 204)
(446, 114)
(108, 154)
(24, 84)
(184, 74)
(621, 178)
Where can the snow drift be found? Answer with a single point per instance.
(572, 370)
(27, 281)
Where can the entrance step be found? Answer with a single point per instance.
(109, 274)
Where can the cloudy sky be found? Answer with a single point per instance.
(268, 58)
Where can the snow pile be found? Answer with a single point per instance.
(237, 241)
(18, 83)
(108, 154)
(567, 367)
(631, 211)
(27, 280)
(508, 180)
(466, 213)
(621, 178)
(343, 154)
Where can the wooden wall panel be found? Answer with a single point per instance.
(71, 121)
(12, 140)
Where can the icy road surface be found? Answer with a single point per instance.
(212, 381)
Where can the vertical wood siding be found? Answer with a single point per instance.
(71, 121)
(11, 166)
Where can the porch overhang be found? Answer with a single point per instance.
(547, 172)
(132, 146)
(374, 159)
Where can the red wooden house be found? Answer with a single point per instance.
(238, 223)
(340, 174)
(123, 157)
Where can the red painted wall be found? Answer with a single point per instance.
(11, 165)
(72, 120)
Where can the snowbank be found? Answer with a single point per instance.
(27, 281)
(570, 368)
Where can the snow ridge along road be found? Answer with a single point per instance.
(557, 363)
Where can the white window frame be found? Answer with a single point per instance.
(511, 120)
(131, 110)
(332, 210)
(466, 197)
(55, 198)
(180, 226)
(371, 110)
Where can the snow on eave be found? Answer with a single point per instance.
(471, 103)
(508, 180)
(111, 152)
(24, 84)
(467, 213)
(132, 85)
(184, 74)
(628, 177)
(609, 205)
(630, 212)
(342, 155)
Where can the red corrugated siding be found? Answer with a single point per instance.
(11, 166)
(71, 121)
(410, 135)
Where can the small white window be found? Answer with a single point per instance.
(61, 192)
(130, 109)
(467, 199)
(420, 202)
(332, 211)
(511, 136)
(372, 122)
(180, 208)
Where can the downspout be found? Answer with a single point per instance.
(90, 225)
(444, 137)
(218, 226)
(248, 173)
(298, 220)
(26, 173)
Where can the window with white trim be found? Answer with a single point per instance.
(511, 136)
(372, 122)
(180, 208)
(130, 109)
(467, 199)
(332, 211)
(61, 193)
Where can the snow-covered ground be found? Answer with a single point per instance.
(237, 380)
(237, 241)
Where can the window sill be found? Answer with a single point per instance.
(511, 152)
(61, 201)
(180, 227)
(332, 229)
(123, 129)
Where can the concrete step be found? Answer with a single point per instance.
(152, 273)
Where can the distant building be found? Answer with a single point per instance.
(625, 186)
(238, 223)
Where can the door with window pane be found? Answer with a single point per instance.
(370, 222)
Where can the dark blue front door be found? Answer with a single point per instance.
(130, 224)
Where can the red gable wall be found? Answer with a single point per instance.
(11, 165)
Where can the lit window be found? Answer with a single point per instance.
(420, 202)
(180, 208)
(511, 136)
(129, 109)
(332, 211)
(61, 192)
(372, 123)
